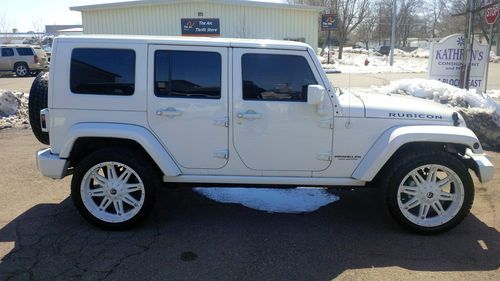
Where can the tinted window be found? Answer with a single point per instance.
(102, 71)
(25, 51)
(276, 77)
(186, 74)
(7, 52)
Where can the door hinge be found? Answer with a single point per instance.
(223, 122)
(325, 156)
(222, 153)
(327, 123)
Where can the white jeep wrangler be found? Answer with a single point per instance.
(128, 113)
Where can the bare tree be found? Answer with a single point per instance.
(366, 31)
(39, 30)
(351, 14)
(434, 14)
(4, 26)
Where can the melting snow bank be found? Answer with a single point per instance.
(480, 111)
(13, 109)
(296, 200)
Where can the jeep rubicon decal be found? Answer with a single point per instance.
(415, 116)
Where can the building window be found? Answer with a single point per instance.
(187, 74)
(276, 77)
(102, 71)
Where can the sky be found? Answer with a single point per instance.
(23, 14)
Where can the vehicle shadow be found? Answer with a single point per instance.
(189, 237)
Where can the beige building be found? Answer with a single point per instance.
(224, 18)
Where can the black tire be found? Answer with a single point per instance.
(406, 163)
(37, 101)
(21, 69)
(146, 171)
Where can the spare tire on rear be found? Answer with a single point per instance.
(37, 101)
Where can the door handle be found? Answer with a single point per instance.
(169, 112)
(249, 115)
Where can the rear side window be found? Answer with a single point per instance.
(102, 71)
(276, 77)
(25, 51)
(7, 52)
(187, 74)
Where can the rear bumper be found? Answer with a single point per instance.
(50, 165)
(482, 166)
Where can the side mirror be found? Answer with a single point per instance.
(315, 94)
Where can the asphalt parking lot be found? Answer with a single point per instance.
(188, 237)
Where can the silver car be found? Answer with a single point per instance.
(24, 60)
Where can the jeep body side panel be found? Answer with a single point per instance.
(188, 103)
(273, 129)
(394, 138)
(122, 131)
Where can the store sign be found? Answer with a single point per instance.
(329, 22)
(200, 27)
(446, 57)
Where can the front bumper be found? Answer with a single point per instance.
(482, 166)
(50, 165)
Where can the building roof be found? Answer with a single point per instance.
(191, 41)
(130, 4)
(52, 29)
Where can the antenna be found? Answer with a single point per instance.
(348, 124)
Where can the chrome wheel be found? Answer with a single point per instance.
(21, 70)
(112, 192)
(430, 195)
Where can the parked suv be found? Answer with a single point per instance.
(23, 60)
(127, 114)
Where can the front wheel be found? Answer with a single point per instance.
(429, 192)
(22, 70)
(114, 188)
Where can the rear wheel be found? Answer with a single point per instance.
(21, 69)
(429, 192)
(114, 188)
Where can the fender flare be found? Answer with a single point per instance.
(122, 131)
(394, 138)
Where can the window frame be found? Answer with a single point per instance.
(72, 90)
(169, 51)
(305, 59)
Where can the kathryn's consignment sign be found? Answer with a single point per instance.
(446, 57)
(200, 27)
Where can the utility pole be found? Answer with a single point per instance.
(468, 47)
(380, 22)
(498, 38)
(393, 32)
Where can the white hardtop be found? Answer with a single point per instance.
(192, 41)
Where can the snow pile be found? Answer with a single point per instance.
(296, 200)
(480, 111)
(420, 53)
(494, 58)
(13, 109)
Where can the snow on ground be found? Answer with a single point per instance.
(296, 200)
(13, 109)
(480, 111)
(353, 61)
